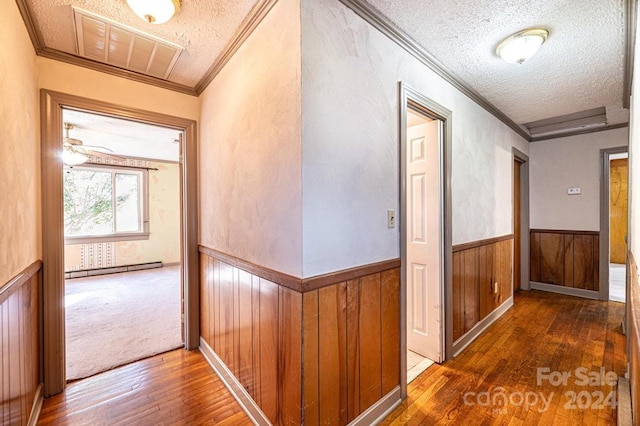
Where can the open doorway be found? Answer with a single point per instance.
(614, 189)
(52, 171)
(425, 233)
(122, 257)
(521, 229)
(618, 190)
(423, 243)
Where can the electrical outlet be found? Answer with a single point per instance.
(495, 288)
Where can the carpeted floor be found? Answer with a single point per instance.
(115, 319)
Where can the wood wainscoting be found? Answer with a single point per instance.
(20, 349)
(482, 274)
(255, 320)
(566, 260)
(633, 319)
(352, 346)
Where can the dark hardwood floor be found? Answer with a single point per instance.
(174, 388)
(543, 330)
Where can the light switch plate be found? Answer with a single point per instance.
(391, 218)
(574, 191)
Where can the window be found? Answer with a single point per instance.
(105, 204)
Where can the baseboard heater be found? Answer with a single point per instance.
(111, 270)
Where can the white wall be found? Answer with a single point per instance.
(250, 148)
(574, 161)
(350, 75)
(20, 236)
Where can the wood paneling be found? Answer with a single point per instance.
(332, 356)
(290, 357)
(633, 318)
(353, 349)
(269, 349)
(390, 314)
(551, 258)
(323, 355)
(370, 341)
(565, 258)
(471, 292)
(481, 282)
(618, 210)
(534, 251)
(311, 327)
(353, 330)
(20, 349)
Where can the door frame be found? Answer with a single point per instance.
(525, 229)
(409, 97)
(52, 104)
(605, 171)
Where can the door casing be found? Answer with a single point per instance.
(53, 325)
(525, 230)
(410, 98)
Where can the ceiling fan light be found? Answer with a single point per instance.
(73, 158)
(155, 11)
(522, 45)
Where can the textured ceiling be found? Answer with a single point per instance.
(579, 67)
(202, 27)
(123, 137)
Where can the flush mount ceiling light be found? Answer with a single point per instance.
(522, 45)
(155, 11)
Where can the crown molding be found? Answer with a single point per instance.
(402, 39)
(46, 52)
(581, 132)
(29, 23)
(69, 58)
(250, 23)
(630, 19)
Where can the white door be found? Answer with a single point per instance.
(423, 239)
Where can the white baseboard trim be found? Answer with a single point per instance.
(569, 291)
(380, 410)
(235, 387)
(471, 335)
(37, 406)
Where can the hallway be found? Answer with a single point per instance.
(543, 330)
(561, 333)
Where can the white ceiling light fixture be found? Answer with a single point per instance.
(73, 158)
(522, 45)
(155, 11)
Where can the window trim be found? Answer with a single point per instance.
(144, 208)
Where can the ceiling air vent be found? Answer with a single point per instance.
(575, 122)
(102, 40)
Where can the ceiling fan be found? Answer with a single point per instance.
(75, 152)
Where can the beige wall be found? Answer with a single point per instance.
(19, 146)
(556, 165)
(250, 148)
(74, 80)
(164, 226)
